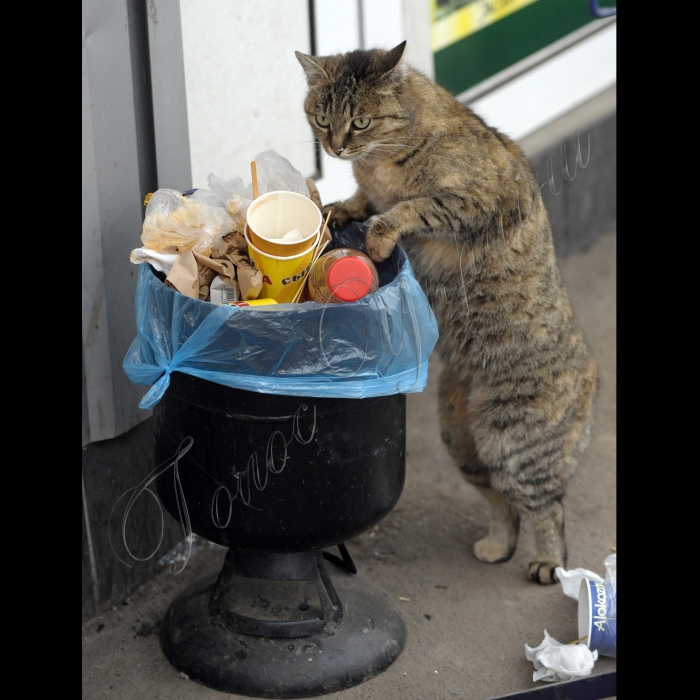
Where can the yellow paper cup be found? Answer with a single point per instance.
(272, 215)
(282, 277)
(281, 249)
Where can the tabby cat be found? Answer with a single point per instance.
(516, 392)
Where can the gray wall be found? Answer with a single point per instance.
(110, 468)
(112, 214)
(122, 161)
(585, 207)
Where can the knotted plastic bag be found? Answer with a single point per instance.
(376, 346)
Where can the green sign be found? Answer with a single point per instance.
(475, 39)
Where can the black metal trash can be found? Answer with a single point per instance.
(276, 479)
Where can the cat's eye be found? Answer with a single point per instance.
(361, 122)
(322, 120)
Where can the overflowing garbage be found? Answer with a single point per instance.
(197, 238)
(246, 286)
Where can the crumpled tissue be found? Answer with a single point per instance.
(571, 580)
(555, 661)
(162, 262)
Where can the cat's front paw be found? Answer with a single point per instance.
(380, 241)
(543, 572)
(340, 216)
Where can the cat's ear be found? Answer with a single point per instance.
(315, 72)
(394, 56)
(393, 71)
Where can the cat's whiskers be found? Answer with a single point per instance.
(390, 139)
(461, 271)
(362, 158)
(379, 154)
(387, 150)
(383, 149)
(370, 153)
(393, 144)
(392, 149)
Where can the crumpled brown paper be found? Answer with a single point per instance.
(190, 276)
(231, 243)
(222, 267)
(193, 271)
(250, 280)
(184, 275)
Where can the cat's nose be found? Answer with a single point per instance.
(337, 151)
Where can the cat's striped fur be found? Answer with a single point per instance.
(516, 394)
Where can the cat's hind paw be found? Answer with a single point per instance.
(493, 550)
(543, 572)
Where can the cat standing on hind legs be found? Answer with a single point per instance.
(516, 392)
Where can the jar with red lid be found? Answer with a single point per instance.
(342, 275)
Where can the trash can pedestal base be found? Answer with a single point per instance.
(367, 640)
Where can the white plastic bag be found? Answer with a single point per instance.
(274, 173)
(611, 570)
(571, 579)
(174, 221)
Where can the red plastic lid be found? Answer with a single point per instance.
(349, 279)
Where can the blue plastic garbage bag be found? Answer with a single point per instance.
(376, 346)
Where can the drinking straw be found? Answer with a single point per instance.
(254, 173)
(323, 241)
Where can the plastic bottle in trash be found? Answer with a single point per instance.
(342, 275)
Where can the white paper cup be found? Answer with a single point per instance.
(272, 215)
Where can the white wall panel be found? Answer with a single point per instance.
(245, 87)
